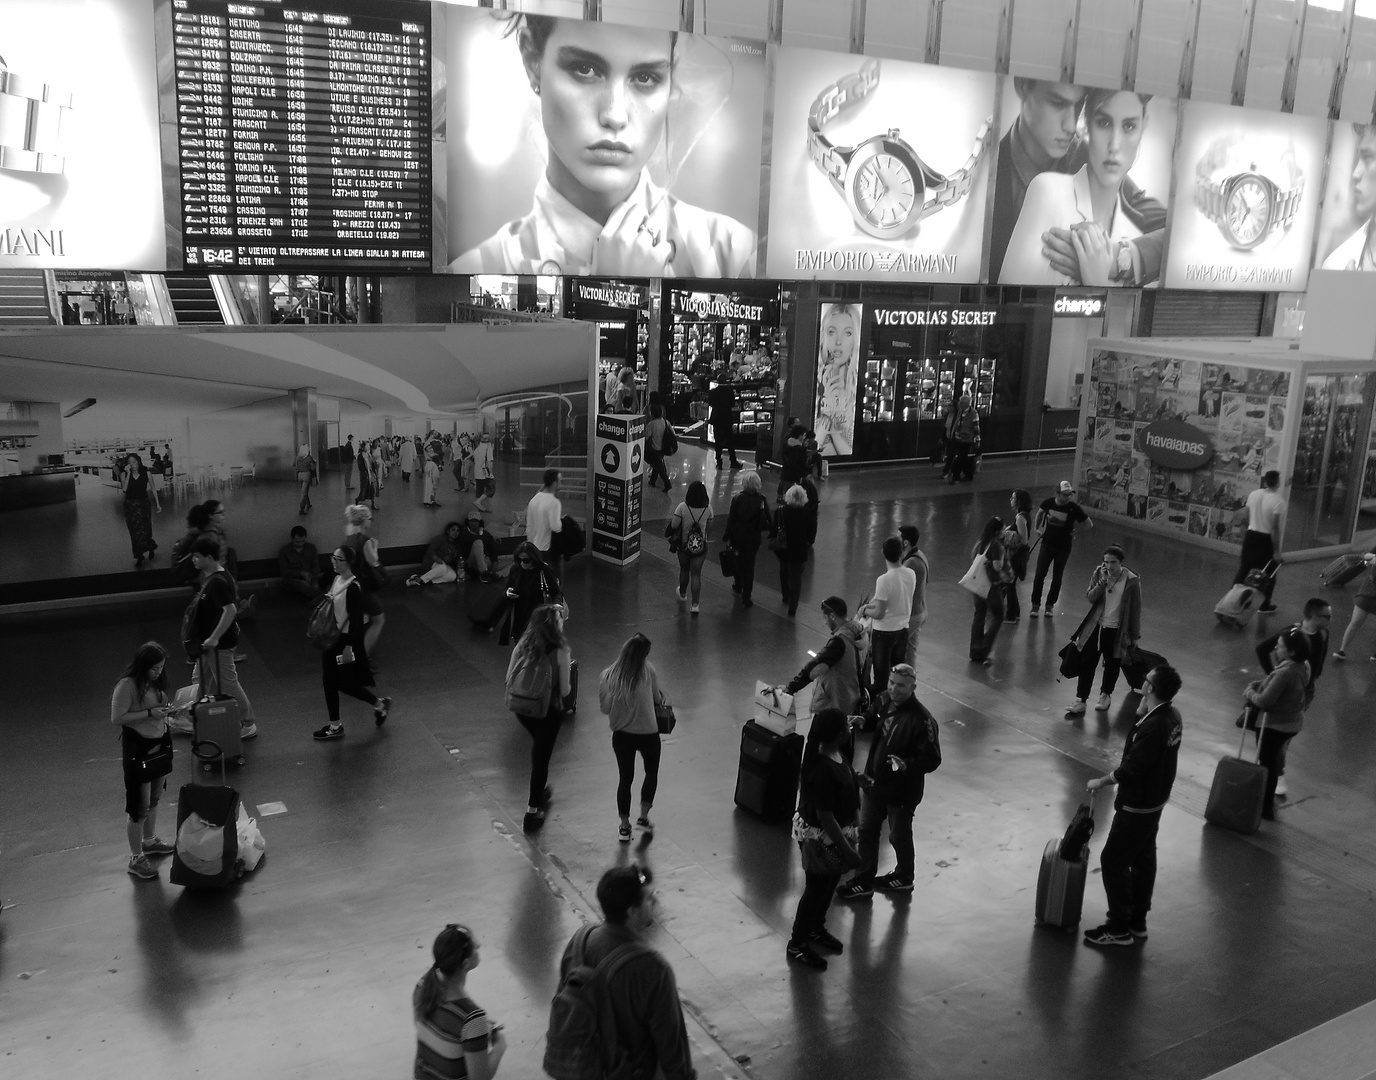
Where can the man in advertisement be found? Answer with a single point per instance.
(1355, 253)
(1044, 138)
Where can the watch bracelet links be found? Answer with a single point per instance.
(847, 91)
(956, 186)
(1208, 199)
(31, 116)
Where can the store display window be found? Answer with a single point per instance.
(709, 333)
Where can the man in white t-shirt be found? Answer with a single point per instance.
(545, 517)
(890, 609)
(1261, 543)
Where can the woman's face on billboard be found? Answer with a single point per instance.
(1115, 134)
(604, 91)
(838, 337)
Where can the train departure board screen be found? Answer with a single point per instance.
(304, 133)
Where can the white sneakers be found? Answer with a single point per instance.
(1078, 709)
(1104, 702)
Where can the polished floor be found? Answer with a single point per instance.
(305, 969)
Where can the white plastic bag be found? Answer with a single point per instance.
(251, 842)
(201, 846)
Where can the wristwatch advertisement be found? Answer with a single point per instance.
(880, 168)
(80, 165)
(1247, 194)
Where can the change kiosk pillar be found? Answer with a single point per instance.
(617, 479)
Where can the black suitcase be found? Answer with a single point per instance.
(1341, 570)
(767, 779)
(219, 807)
(490, 606)
(1238, 792)
(1138, 665)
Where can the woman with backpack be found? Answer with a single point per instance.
(542, 643)
(690, 525)
(746, 523)
(628, 693)
(454, 1037)
(344, 667)
(1017, 539)
(791, 536)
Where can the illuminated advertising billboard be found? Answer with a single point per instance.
(880, 169)
(1247, 186)
(80, 166)
(838, 376)
(1081, 188)
(1349, 203)
(596, 149)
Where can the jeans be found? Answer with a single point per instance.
(690, 573)
(338, 678)
(1129, 868)
(988, 621)
(477, 559)
(440, 574)
(543, 734)
(625, 746)
(1271, 753)
(887, 648)
(910, 653)
(654, 460)
(813, 905)
(222, 677)
(791, 583)
(874, 811)
(1258, 549)
(1105, 642)
(962, 464)
(1056, 558)
(745, 570)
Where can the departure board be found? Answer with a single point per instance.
(304, 133)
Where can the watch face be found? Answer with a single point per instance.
(1247, 211)
(885, 187)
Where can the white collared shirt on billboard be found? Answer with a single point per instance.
(875, 117)
(1354, 253)
(1055, 200)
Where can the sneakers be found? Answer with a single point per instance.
(623, 833)
(854, 890)
(826, 939)
(140, 867)
(1105, 700)
(154, 845)
(380, 711)
(1104, 936)
(248, 731)
(693, 610)
(682, 594)
(1281, 790)
(645, 825)
(801, 953)
(1339, 654)
(414, 579)
(893, 883)
(1047, 612)
(1139, 932)
(1266, 609)
(1078, 709)
(329, 731)
(1033, 613)
(532, 821)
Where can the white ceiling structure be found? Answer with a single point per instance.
(429, 370)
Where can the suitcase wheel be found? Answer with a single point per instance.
(205, 766)
(239, 760)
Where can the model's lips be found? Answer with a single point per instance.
(611, 153)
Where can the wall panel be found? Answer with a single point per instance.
(970, 33)
(817, 24)
(897, 28)
(1165, 26)
(1039, 31)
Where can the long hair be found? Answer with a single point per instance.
(525, 547)
(992, 528)
(696, 497)
(146, 657)
(543, 634)
(453, 946)
(628, 674)
(1022, 502)
(828, 726)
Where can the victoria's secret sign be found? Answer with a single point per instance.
(715, 307)
(608, 294)
(897, 329)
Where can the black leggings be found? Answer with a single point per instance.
(625, 746)
(543, 734)
(340, 679)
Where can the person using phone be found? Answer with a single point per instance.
(344, 666)
(1111, 630)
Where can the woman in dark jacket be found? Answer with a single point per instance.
(1280, 696)
(530, 583)
(796, 522)
(989, 610)
(746, 523)
(794, 466)
(344, 668)
(1017, 539)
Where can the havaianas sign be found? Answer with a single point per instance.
(1174, 444)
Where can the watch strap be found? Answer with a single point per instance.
(845, 93)
(32, 116)
(956, 186)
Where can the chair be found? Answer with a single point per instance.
(249, 472)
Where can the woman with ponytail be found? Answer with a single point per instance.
(628, 693)
(454, 1038)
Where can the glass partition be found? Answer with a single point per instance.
(1330, 459)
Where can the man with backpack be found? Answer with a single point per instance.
(611, 982)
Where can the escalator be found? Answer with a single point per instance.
(193, 300)
(24, 299)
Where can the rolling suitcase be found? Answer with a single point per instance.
(1240, 602)
(1341, 570)
(767, 779)
(1238, 791)
(1061, 880)
(489, 608)
(1138, 664)
(207, 848)
(218, 718)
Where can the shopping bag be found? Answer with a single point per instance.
(774, 709)
(728, 562)
(976, 579)
(251, 842)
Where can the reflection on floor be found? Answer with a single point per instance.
(305, 970)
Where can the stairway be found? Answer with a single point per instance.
(24, 299)
(193, 300)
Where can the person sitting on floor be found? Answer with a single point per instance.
(441, 563)
(299, 564)
(478, 547)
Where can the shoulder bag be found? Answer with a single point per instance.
(148, 759)
(976, 579)
(779, 541)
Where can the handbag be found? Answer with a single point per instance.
(1072, 659)
(1249, 718)
(779, 541)
(821, 857)
(1080, 830)
(665, 718)
(728, 562)
(153, 760)
(671, 532)
(976, 579)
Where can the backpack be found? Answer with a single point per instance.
(581, 1042)
(191, 639)
(322, 628)
(529, 684)
(182, 570)
(668, 445)
(572, 540)
(694, 540)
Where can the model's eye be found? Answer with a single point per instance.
(583, 70)
(647, 80)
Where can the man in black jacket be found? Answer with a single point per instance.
(906, 747)
(1144, 782)
(722, 401)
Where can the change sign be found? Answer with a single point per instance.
(616, 488)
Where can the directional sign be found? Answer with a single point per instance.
(635, 459)
(611, 458)
(620, 451)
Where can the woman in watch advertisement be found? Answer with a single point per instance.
(622, 115)
(836, 379)
(1089, 203)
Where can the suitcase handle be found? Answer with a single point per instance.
(206, 756)
(1242, 745)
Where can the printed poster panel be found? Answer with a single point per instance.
(1349, 203)
(880, 168)
(1063, 151)
(1247, 188)
(546, 177)
(80, 164)
(838, 351)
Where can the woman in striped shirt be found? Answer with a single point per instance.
(454, 1038)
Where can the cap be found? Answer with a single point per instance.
(474, 515)
(1066, 488)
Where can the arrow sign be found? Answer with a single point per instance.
(611, 458)
(635, 458)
